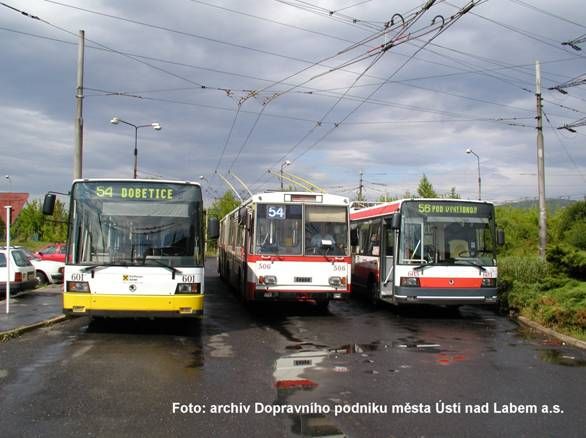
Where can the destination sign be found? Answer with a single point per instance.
(443, 208)
(140, 191)
(159, 193)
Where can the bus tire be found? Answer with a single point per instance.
(371, 293)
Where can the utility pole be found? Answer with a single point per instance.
(360, 187)
(540, 165)
(78, 152)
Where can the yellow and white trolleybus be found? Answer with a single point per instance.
(135, 248)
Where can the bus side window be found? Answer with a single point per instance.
(374, 239)
(389, 242)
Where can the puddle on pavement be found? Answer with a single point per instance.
(316, 426)
(558, 357)
(288, 380)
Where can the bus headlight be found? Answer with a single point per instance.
(488, 282)
(78, 286)
(335, 281)
(188, 288)
(409, 281)
(269, 280)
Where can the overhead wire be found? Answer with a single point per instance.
(447, 25)
(336, 125)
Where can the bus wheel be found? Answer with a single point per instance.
(371, 294)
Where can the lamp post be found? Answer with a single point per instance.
(155, 125)
(283, 165)
(470, 151)
(7, 177)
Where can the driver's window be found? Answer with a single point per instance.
(412, 244)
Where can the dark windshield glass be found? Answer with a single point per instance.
(139, 223)
(446, 232)
(278, 229)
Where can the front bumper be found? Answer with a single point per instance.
(170, 306)
(448, 296)
(269, 294)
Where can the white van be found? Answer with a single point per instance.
(22, 272)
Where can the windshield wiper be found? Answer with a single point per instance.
(167, 266)
(468, 262)
(101, 266)
(425, 265)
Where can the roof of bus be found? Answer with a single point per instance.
(279, 197)
(386, 208)
(140, 180)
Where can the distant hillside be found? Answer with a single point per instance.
(552, 204)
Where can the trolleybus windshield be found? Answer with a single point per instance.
(447, 233)
(136, 223)
(295, 229)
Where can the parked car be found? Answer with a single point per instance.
(46, 271)
(55, 251)
(22, 272)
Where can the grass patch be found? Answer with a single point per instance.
(558, 303)
(530, 287)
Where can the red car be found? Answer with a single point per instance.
(55, 251)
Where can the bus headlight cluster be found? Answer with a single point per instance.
(78, 286)
(409, 281)
(489, 282)
(337, 281)
(268, 280)
(188, 288)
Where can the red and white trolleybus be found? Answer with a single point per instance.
(287, 246)
(437, 251)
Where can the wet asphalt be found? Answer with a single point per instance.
(125, 377)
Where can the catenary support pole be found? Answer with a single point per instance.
(78, 152)
(540, 165)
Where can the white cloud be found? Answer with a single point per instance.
(36, 125)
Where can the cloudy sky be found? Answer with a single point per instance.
(241, 86)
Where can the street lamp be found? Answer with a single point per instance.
(470, 151)
(155, 125)
(9, 181)
(283, 165)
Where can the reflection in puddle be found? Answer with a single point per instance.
(288, 380)
(558, 358)
(314, 426)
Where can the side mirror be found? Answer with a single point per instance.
(500, 237)
(354, 237)
(213, 228)
(396, 221)
(49, 204)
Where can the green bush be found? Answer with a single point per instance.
(567, 260)
(561, 306)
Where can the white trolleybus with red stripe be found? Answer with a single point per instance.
(287, 246)
(436, 251)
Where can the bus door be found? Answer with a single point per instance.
(389, 243)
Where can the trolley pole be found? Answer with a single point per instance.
(78, 152)
(540, 165)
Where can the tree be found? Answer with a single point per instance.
(571, 227)
(425, 189)
(31, 224)
(386, 198)
(223, 205)
(452, 194)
